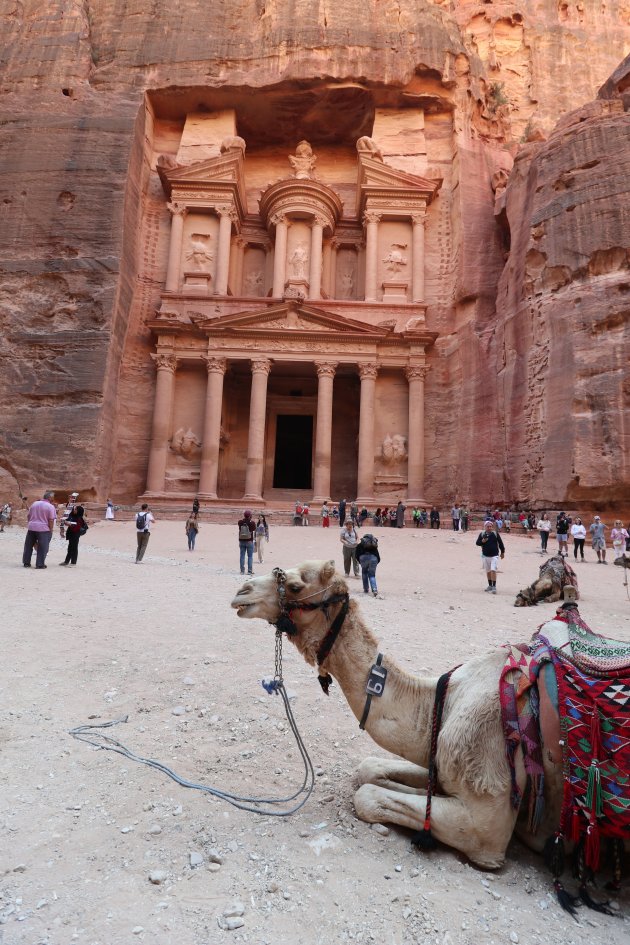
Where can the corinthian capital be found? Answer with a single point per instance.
(215, 365)
(177, 209)
(419, 219)
(415, 371)
(326, 368)
(368, 371)
(165, 362)
(371, 216)
(277, 219)
(261, 366)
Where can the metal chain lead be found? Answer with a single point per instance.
(278, 656)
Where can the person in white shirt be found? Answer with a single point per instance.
(544, 527)
(349, 538)
(144, 520)
(578, 533)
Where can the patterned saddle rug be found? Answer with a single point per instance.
(569, 690)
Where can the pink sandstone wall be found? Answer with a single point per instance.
(84, 234)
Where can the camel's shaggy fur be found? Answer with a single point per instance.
(554, 575)
(471, 809)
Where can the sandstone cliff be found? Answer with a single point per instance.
(76, 148)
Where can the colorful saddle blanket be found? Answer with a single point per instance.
(584, 678)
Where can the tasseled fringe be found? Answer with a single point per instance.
(325, 682)
(593, 904)
(592, 847)
(553, 853)
(615, 857)
(424, 839)
(566, 900)
(594, 800)
(575, 831)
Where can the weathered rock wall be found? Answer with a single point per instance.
(74, 155)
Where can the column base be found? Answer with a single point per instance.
(207, 496)
(252, 498)
(418, 502)
(365, 500)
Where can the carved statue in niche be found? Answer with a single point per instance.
(303, 161)
(186, 445)
(233, 143)
(298, 260)
(394, 449)
(395, 261)
(254, 283)
(369, 147)
(200, 254)
(347, 284)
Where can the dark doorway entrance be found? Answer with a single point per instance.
(294, 452)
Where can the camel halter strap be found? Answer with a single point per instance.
(424, 838)
(285, 623)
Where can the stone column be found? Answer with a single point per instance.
(256, 440)
(209, 473)
(371, 220)
(365, 474)
(280, 256)
(235, 279)
(323, 434)
(332, 273)
(315, 271)
(416, 374)
(178, 214)
(223, 251)
(166, 364)
(417, 256)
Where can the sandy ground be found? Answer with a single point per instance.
(81, 829)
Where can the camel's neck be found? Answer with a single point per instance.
(400, 719)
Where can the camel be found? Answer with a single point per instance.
(554, 575)
(471, 808)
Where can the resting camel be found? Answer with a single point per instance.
(471, 809)
(554, 575)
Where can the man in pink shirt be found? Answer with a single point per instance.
(41, 521)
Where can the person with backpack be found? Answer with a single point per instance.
(246, 533)
(76, 526)
(192, 527)
(368, 557)
(144, 520)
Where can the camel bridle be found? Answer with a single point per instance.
(284, 623)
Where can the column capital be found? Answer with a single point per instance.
(224, 210)
(278, 218)
(419, 218)
(371, 216)
(261, 365)
(368, 371)
(415, 371)
(165, 362)
(214, 365)
(326, 368)
(318, 221)
(177, 209)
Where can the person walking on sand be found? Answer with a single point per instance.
(144, 520)
(369, 558)
(246, 532)
(544, 527)
(598, 539)
(76, 526)
(191, 528)
(349, 539)
(41, 521)
(109, 511)
(578, 533)
(342, 513)
(262, 536)
(562, 534)
(618, 536)
(491, 545)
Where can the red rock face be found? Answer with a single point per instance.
(525, 396)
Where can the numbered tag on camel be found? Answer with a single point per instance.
(376, 680)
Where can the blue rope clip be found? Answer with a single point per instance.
(271, 685)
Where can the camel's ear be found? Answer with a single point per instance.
(327, 572)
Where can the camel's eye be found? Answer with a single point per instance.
(296, 588)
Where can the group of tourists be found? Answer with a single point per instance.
(252, 536)
(566, 526)
(41, 518)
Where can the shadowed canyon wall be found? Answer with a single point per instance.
(525, 398)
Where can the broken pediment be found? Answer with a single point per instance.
(224, 173)
(290, 319)
(378, 181)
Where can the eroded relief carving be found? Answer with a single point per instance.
(346, 289)
(186, 445)
(303, 161)
(233, 143)
(298, 261)
(369, 147)
(254, 283)
(394, 261)
(200, 255)
(394, 449)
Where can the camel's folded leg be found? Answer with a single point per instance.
(398, 775)
(481, 829)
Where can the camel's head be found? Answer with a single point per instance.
(295, 601)
(525, 598)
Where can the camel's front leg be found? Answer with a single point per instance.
(481, 828)
(397, 775)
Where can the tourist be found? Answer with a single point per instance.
(335, 512)
(562, 534)
(376, 518)
(144, 520)
(463, 518)
(392, 517)
(578, 533)
(262, 535)
(368, 557)
(507, 520)
(363, 515)
(491, 544)
(544, 527)
(400, 515)
(305, 513)
(195, 505)
(354, 513)
(191, 528)
(349, 539)
(434, 517)
(415, 516)
(385, 516)
(246, 533)
(297, 515)
(628, 538)
(5, 515)
(342, 513)
(619, 537)
(109, 511)
(598, 539)
(531, 521)
(76, 526)
(41, 521)
(455, 517)
(522, 519)
(325, 515)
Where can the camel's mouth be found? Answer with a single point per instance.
(241, 608)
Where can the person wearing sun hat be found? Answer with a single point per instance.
(598, 539)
